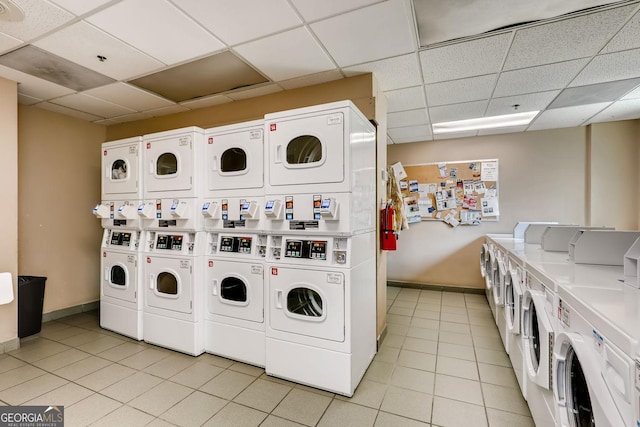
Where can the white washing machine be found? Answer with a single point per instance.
(173, 314)
(321, 310)
(121, 294)
(122, 177)
(328, 148)
(513, 296)
(234, 317)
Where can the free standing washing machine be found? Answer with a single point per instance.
(513, 295)
(173, 314)
(321, 310)
(234, 317)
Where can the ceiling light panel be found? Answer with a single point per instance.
(448, 113)
(391, 73)
(80, 7)
(566, 117)
(50, 67)
(236, 22)
(564, 40)
(283, 56)
(592, 94)
(538, 79)
(131, 96)
(456, 135)
(405, 99)
(460, 60)
(529, 102)
(612, 66)
(621, 110)
(311, 79)
(498, 131)
(463, 90)
(207, 76)
(313, 10)
(368, 34)
(40, 18)
(82, 43)
(170, 37)
(407, 118)
(487, 122)
(627, 37)
(634, 94)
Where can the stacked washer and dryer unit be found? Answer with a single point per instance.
(320, 206)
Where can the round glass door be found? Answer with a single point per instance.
(167, 284)
(304, 149)
(119, 170)
(578, 399)
(509, 298)
(233, 160)
(118, 276)
(304, 302)
(167, 164)
(233, 289)
(534, 336)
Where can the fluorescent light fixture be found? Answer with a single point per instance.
(506, 120)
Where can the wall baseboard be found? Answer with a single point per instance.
(58, 314)
(432, 287)
(7, 346)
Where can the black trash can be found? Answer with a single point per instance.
(30, 299)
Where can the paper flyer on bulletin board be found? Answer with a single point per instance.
(457, 193)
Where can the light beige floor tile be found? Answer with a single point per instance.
(196, 375)
(344, 413)
(314, 390)
(488, 343)
(449, 309)
(262, 395)
(504, 399)
(497, 375)
(506, 419)
(422, 346)
(493, 357)
(65, 331)
(122, 351)
(400, 320)
(66, 395)
(28, 390)
(273, 421)
(408, 403)
(8, 363)
(453, 299)
(423, 333)
(486, 320)
(385, 419)
(80, 339)
(484, 331)
(394, 328)
(214, 360)
(425, 323)
(89, 410)
(100, 345)
(105, 377)
(456, 338)
(392, 340)
(455, 318)
(37, 349)
(458, 389)
(170, 366)
(237, 415)
(393, 291)
(464, 352)
(61, 360)
(427, 314)
(228, 384)
(452, 413)
(460, 328)
(82, 367)
(401, 311)
(124, 416)
(159, 422)
(131, 387)
(302, 407)
(19, 375)
(194, 410)
(87, 318)
(244, 368)
(429, 306)
(413, 379)
(160, 398)
(477, 298)
(404, 304)
(368, 393)
(387, 354)
(457, 368)
(379, 372)
(407, 294)
(145, 358)
(277, 380)
(417, 360)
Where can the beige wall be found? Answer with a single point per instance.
(542, 178)
(59, 183)
(9, 214)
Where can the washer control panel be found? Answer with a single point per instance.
(236, 244)
(308, 249)
(170, 242)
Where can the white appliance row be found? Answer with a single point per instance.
(570, 328)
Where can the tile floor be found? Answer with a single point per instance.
(441, 364)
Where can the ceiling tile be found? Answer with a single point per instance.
(405, 99)
(449, 113)
(286, 55)
(463, 90)
(170, 37)
(538, 79)
(80, 7)
(311, 79)
(529, 102)
(611, 66)
(498, 131)
(7, 42)
(627, 37)
(165, 111)
(375, 32)
(253, 92)
(131, 117)
(455, 135)
(621, 110)
(27, 100)
(471, 58)
(634, 94)
(89, 104)
(411, 139)
(422, 131)
(563, 40)
(34, 86)
(82, 43)
(592, 94)
(67, 111)
(312, 10)
(407, 118)
(391, 73)
(566, 117)
(132, 97)
(40, 17)
(207, 101)
(236, 22)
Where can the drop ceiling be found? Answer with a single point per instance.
(114, 61)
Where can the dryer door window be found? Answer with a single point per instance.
(578, 398)
(535, 337)
(167, 284)
(304, 149)
(118, 276)
(233, 289)
(167, 164)
(304, 302)
(119, 170)
(233, 160)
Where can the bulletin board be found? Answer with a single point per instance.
(458, 193)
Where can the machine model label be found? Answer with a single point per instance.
(169, 242)
(317, 205)
(119, 222)
(185, 264)
(598, 340)
(241, 245)
(185, 140)
(638, 374)
(255, 134)
(131, 259)
(166, 223)
(233, 224)
(334, 119)
(307, 249)
(334, 278)
(256, 269)
(133, 149)
(564, 314)
(303, 225)
(288, 207)
(120, 239)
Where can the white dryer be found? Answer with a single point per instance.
(234, 317)
(325, 148)
(121, 294)
(321, 310)
(173, 314)
(122, 177)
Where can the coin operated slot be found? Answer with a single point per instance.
(146, 210)
(210, 210)
(213, 243)
(249, 210)
(276, 244)
(329, 208)
(261, 246)
(273, 209)
(102, 211)
(126, 212)
(180, 210)
(340, 257)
